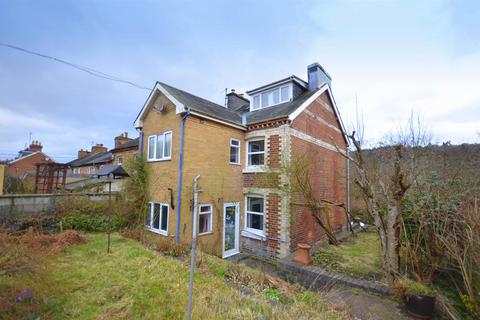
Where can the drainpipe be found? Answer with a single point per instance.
(180, 174)
(194, 241)
(348, 188)
(140, 138)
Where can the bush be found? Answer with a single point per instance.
(169, 247)
(92, 223)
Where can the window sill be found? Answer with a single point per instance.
(234, 163)
(159, 160)
(254, 169)
(257, 235)
(163, 233)
(205, 233)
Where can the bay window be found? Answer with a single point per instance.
(254, 214)
(256, 152)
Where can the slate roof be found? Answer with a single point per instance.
(202, 105)
(96, 158)
(116, 170)
(215, 110)
(126, 145)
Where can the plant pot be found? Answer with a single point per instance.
(303, 254)
(419, 306)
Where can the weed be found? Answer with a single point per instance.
(271, 293)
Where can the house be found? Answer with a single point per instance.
(24, 166)
(235, 149)
(89, 162)
(125, 148)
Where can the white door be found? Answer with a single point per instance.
(231, 229)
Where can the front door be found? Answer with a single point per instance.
(231, 229)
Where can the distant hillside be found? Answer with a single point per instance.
(446, 159)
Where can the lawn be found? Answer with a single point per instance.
(83, 282)
(357, 257)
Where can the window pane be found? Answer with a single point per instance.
(205, 208)
(168, 144)
(285, 93)
(255, 159)
(265, 100)
(204, 223)
(256, 146)
(255, 221)
(256, 102)
(159, 154)
(255, 204)
(234, 156)
(164, 226)
(276, 96)
(147, 215)
(151, 147)
(156, 216)
(234, 142)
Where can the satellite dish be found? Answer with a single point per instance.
(159, 106)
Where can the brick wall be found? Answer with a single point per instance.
(327, 172)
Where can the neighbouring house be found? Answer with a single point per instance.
(89, 162)
(24, 166)
(125, 148)
(237, 149)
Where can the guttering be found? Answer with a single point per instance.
(180, 175)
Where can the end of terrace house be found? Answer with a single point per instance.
(239, 150)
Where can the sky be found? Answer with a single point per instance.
(386, 59)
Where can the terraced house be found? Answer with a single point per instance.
(234, 148)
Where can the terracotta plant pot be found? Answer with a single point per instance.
(303, 254)
(421, 307)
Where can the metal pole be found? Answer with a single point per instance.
(194, 240)
(109, 215)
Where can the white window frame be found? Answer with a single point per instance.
(248, 153)
(150, 227)
(251, 231)
(154, 146)
(238, 150)
(270, 97)
(119, 159)
(210, 222)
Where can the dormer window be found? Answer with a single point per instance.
(271, 97)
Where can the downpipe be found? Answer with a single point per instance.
(180, 176)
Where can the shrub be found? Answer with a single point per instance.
(92, 223)
(407, 286)
(169, 247)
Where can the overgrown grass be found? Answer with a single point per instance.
(358, 257)
(132, 282)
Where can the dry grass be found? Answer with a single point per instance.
(132, 282)
(357, 257)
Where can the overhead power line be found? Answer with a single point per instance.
(88, 70)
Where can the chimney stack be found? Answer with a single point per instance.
(83, 153)
(35, 146)
(121, 139)
(235, 100)
(98, 148)
(317, 76)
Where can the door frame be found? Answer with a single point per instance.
(236, 250)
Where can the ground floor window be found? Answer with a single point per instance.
(205, 218)
(156, 217)
(254, 214)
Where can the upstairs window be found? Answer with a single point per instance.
(234, 151)
(119, 160)
(156, 218)
(160, 146)
(256, 152)
(271, 97)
